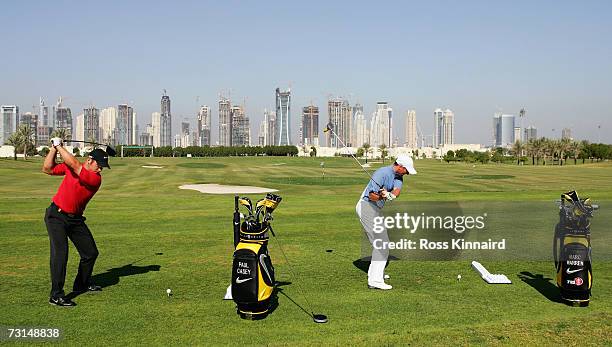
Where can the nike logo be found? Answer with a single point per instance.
(242, 280)
(569, 272)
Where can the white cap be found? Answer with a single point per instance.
(407, 163)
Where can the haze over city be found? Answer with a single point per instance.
(475, 58)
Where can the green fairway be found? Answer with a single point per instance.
(153, 236)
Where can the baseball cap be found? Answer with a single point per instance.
(407, 163)
(100, 157)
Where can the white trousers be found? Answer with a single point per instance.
(367, 211)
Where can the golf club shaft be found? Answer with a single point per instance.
(361, 166)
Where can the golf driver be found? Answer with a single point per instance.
(317, 318)
(330, 127)
(109, 150)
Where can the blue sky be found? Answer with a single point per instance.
(474, 57)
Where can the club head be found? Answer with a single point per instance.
(110, 151)
(319, 318)
(328, 127)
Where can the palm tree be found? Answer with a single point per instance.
(383, 152)
(61, 133)
(366, 149)
(563, 147)
(575, 147)
(26, 134)
(517, 150)
(14, 141)
(528, 148)
(538, 149)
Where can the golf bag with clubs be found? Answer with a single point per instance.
(252, 270)
(572, 249)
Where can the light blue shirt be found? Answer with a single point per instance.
(384, 177)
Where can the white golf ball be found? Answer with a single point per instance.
(458, 277)
(169, 291)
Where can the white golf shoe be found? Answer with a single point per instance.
(379, 285)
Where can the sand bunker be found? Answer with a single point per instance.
(152, 167)
(221, 189)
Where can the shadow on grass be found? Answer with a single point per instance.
(363, 264)
(112, 276)
(543, 285)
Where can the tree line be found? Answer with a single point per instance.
(208, 151)
(542, 151)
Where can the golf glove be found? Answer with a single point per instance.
(56, 141)
(387, 195)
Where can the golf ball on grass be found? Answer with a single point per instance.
(169, 291)
(458, 277)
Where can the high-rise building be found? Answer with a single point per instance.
(63, 118)
(517, 134)
(241, 129)
(125, 125)
(146, 137)
(310, 126)
(108, 124)
(185, 135)
(503, 130)
(530, 133)
(283, 117)
(204, 126)
(91, 123)
(165, 126)
(79, 131)
(340, 116)
(444, 127)
(566, 134)
(411, 129)
(156, 129)
(381, 127)
(361, 135)
(30, 119)
(9, 114)
(43, 113)
(225, 122)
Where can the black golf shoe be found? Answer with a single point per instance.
(62, 302)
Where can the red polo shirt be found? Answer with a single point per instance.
(75, 191)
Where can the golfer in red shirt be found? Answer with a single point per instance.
(64, 218)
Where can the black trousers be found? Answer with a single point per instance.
(60, 228)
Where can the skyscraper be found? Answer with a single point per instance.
(146, 137)
(530, 133)
(225, 122)
(63, 118)
(361, 135)
(79, 131)
(283, 117)
(566, 134)
(156, 128)
(340, 116)
(204, 126)
(381, 128)
(310, 126)
(411, 129)
(7, 123)
(125, 125)
(30, 119)
(503, 130)
(91, 123)
(165, 126)
(444, 127)
(108, 123)
(269, 130)
(184, 136)
(241, 130)
(44, 128)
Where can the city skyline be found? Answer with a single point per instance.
(550, 58)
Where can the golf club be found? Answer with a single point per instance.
(330, 127)
(109, 149)
(317, 318)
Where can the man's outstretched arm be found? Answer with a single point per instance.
(70, 160)
(49, 162)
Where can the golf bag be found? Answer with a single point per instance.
(572, 249)
(252, 271)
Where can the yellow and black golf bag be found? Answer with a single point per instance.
(252, 271)
(572, 249)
